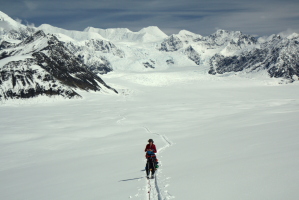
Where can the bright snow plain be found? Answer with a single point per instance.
(219, 138)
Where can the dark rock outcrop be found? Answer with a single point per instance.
(172, 43)
(88, 54)
(41, 64)
(279, 57)
(192, 54)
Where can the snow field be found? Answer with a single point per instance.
(218, 138)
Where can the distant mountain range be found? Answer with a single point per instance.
(47, 60)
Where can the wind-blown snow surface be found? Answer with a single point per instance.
(218, 138)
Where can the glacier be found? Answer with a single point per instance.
(223, 122)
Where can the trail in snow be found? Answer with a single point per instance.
(155, 184)
(153, 190)
(167, 142)
(120, 120)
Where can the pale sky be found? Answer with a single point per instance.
(255, 17)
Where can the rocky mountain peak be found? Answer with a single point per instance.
(42, 65)
(37, 35)
(221, 37)
(55, 61)
(172, 43)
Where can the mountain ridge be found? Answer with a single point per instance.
(42, 65)
(101, 51)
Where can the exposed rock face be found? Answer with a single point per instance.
(17, 34)
(223, 37)
(24, 79)
(279, 57)
(149, 64)
(193, 55)
(91, 54)
(172, 43)
(105, 47)
(5, 45)
(43, 65)
(197, 47)
(74, 57)
(101, 65)
(170, 61)
(232, 51)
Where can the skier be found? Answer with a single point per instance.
(151, 163)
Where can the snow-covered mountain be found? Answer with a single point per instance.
(103, 50)
(279, 57)
(232, 135)
(94, 53)
(11, 31)
(200, 49)
(232, 51)
(41, 64)
(149, 34)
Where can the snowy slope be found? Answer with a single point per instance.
(12, 31)
(148, 50)
(106, 50)
(94, 53)
(120, 50)
(76, 35)
(221, 137)
(218, 138)
(278, 56)
(41, 65)
(200, 49)
(8, 23)
(145, 35)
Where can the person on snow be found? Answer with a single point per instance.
(151, 163)
(150, 148)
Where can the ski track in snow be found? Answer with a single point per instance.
(155, 184)
(153, 189)
(120, 120)
(152, 186)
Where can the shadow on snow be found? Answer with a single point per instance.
(131, 179)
